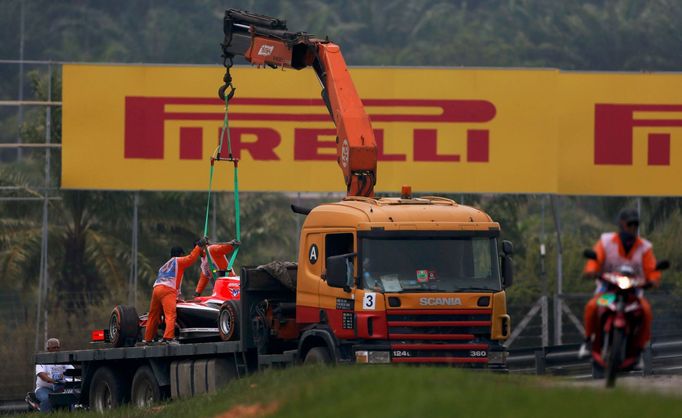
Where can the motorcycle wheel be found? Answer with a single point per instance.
(123, 326)
(615, 356)
(228, 320)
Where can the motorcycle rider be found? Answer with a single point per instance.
(219, 254)
(167, 290)
(615, 249)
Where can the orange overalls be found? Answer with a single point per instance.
(610, 255)
(218, 254)
(164, 296)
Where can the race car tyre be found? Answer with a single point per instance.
(123, 326)
(145, 390)
(107, 390)
(228, 320)
(318, 355)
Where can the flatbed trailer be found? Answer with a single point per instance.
(143, 375)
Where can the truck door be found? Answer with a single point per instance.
(339, 305)
(310, 267)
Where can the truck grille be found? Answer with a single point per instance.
(446, 336)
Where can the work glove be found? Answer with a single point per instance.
(234, 243)
(203, 242)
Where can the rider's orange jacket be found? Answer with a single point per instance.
(648, 260)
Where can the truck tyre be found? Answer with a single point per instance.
(228, 320)
(318, 355)
(145, 389)
(107, 390)
(123, 326)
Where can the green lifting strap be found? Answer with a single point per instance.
(236, 212)
(211, 266)
(216, 156)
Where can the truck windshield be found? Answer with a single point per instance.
(429, 265)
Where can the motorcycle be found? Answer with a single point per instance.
(619, 310)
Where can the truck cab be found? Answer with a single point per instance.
(402, 280)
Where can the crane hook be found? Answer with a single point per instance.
(223, 88)
(227, 78)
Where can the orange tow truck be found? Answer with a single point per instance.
(379, 280)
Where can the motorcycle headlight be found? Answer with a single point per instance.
(624, 282)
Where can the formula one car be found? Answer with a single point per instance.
(204, 318)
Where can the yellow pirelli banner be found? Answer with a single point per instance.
(439, 130)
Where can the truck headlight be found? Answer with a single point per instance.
(497, 357)
(372, 357)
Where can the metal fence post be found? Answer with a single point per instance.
(540, 362)
(20, 110)
(647, 356)
(559, 274)
(132, 281)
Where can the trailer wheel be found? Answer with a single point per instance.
(228, 320)
(318, 355)
(106, 390)
(123, 326)
(145, 389)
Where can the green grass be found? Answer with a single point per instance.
(357, 391)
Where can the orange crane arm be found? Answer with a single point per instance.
(264, 40)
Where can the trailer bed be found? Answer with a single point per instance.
(150, 351)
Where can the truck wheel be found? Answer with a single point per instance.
(228, 320)
(145, 389)
(106, 390)
(123, 326)
(318, 355)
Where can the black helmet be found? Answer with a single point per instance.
(628, 215)
(177, 252)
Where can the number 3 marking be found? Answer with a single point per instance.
(369, 301)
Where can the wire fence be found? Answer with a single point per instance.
(666, 306)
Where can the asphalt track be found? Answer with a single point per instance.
(663, 384)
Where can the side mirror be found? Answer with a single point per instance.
(507, 271)
(339, 271)
(507, 263)
(663, 265)
(589, 253)
(507, 247)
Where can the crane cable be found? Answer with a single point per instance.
(225, 132)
